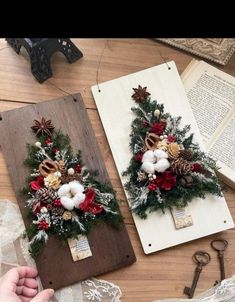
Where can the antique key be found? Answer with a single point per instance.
(201, 258)
(220, 246)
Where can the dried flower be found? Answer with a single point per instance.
(43, 127)
(67, 215)
(43, 225)
(158, 128)
(166, 180)
(140, 94)
(52, 181)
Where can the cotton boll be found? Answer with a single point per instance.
(148, 167)
(76, 187)
(148, 157)
(64, 190)
(78, 198)
(160, 154)
(67, 203)
(71, 171)
(162, 165)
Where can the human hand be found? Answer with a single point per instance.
(19, 285)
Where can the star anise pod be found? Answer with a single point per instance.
(43, 127)
(140, 94)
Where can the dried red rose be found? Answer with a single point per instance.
(152, 186)
(171, 138)
(78, 168)
(196, 167)
(43, 225)
(166, 181)
(138, 156)
(37, 184)
(48, 141)
(89, 205)
(57, 203)
(158, 128)
(55, 149)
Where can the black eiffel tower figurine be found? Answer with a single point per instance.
(41, 50)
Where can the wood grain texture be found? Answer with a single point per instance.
(111, 248)
(157, 276)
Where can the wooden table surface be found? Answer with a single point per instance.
(156, 276)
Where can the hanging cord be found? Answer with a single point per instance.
(168, 66)
(98, 68)
(62, 90)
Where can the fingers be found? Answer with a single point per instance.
(26, 291)
(43, 296)
(28, 282)
(17, 273)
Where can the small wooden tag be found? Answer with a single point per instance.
(182, 219)
(80, 248)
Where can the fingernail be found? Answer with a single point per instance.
(51, 291)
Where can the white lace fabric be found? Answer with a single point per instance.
(14, 252)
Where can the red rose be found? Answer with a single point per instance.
(88, 205)
(166, 180)
(43, 225)
(138, 156)
(158, 128)
(37, 184)
(152, 186)
(55, 149)
(197, 167)
(171, 138)
(78, 168)
(48, 141)
(57, 203)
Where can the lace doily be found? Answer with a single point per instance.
(14, 252)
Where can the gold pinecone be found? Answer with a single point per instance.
(46, 195)
(57, 211)
(180, 166)
(186, 154)
(173, 150)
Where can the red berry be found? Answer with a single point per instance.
(57, 202)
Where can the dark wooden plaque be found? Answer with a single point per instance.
(111, 248)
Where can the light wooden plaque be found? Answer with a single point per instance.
(114, 102)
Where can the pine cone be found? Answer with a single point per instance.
(46, 195)
(57, 211)
(186, 154)
(180, 166)
(173, 150)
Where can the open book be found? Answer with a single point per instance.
(211, 94)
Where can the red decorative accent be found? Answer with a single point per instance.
(78, 168)
(171, 138)
(166, 181)
(48, 140)
(37, 184)
(57, 203)
(145, 123)
(43, 225)
(158, 128)
(49, 206)
(55, 149)
(139, 156)
(152, 186)
(197, 167)
(88, 205)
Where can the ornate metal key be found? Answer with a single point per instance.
(201, 258)
(220, 246)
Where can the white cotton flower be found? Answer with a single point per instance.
(148, 167)
(162, 165)
(38, 144)
(71, 194)
(160, 154)
(148, 157)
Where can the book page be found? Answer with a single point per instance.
(211, 94)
